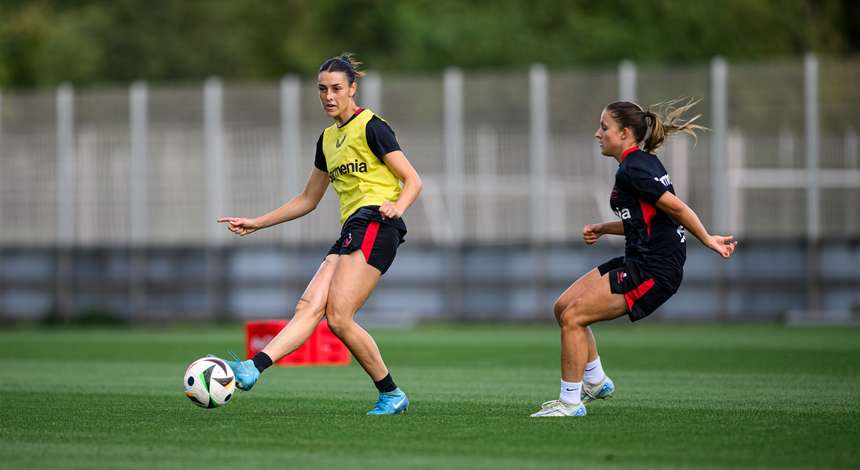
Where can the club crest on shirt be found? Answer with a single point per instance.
(347, 241)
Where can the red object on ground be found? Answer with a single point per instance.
(322, 348)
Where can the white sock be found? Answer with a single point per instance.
(571, 392)
(594, 372)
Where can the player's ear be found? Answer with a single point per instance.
(353, 88)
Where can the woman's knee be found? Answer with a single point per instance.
(338, 317)
(309, 308)
(573, 316)
(558, 309)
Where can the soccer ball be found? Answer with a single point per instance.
(209, 382)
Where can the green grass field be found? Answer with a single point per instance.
(688, 396)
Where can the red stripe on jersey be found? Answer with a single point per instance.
(648, 213)
(637, 293)
(369, 239)
(628, 152)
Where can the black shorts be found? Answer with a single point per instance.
(643, 287)
(377, 239)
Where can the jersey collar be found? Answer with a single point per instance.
(628, 152)
(358, 111)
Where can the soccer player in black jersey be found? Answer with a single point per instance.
(360, 157)
(652, 221)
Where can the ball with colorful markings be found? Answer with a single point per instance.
(209, 382)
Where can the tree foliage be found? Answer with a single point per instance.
(44, 42)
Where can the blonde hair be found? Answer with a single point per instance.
(650, 128)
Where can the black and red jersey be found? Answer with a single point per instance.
(651, 236)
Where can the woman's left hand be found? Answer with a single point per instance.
(389, 210)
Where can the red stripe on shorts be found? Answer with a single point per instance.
(638, 292)
(369, 239)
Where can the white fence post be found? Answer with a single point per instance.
(679, 148)
(719, 136)
(813, 195)
(66, 198)
(138, 168)
(138, 185)
(66, 166)
(290, 94)
(454, 167)
(488, 157)
(627, 81)
(735, 185)
(850, 152)
(213, 108)
(214, 152)
(539, 149)
(813, 190)
(370, 91)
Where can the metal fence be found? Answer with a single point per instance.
(119, 184)
(505, 157)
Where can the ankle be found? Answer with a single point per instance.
(262, 361)
(594, 373)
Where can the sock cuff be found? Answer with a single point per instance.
(385, 384)
(262, 361)
(593, 363)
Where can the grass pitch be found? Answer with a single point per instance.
(703, 396)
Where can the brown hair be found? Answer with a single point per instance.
(345, 63)
(650, 128)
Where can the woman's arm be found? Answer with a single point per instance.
(591, 232)
(400, 166)
(305, 202)
(678, 210)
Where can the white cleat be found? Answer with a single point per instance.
(599, 391)
(558, 408)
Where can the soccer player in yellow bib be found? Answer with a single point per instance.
(359, 155)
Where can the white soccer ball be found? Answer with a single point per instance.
(209, 382)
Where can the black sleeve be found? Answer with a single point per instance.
(319, 159)
(646, 185)
(380, 138)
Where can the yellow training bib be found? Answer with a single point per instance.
(359, 177)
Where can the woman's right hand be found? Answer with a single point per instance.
(724, 245)
(590, 233)
(240, 226)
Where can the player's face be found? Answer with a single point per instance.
(608, 135)
(335, 93)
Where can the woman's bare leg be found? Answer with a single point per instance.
(310, 309)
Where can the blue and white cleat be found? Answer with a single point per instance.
(558, 408)
(246, 373)
(598, 391)
(390, 403)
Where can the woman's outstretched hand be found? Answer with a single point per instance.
(590, 234)
(240, 226)
(724, 245)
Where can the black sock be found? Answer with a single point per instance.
(385, 385)
(262, 361)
